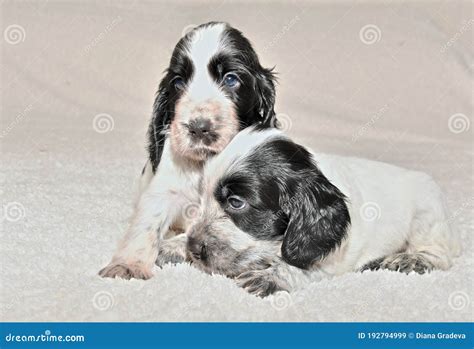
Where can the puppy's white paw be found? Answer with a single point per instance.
(261, 283)
(172, 250)
(126, 271)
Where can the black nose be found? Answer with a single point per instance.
(200, 127)
(197, 248)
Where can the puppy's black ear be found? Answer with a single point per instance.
(318, 219)
(265, 88)
(159, 123)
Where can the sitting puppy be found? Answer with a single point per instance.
(274, 215)
(214, 87)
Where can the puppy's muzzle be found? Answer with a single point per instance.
(202, 129)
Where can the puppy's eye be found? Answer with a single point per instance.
(236, 202)
(178, 83)
(231, 80)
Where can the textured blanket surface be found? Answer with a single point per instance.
(385, 80)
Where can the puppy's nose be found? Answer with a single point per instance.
(197, 248)
(200, 127)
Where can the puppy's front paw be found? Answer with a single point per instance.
(261, 283)
(165, 257)
(126, 271)
(402, 262)
(172, 251)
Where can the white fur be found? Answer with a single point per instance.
(408, 208)
(239, 147)
(163, 196)
(161, 205)
(206, 42)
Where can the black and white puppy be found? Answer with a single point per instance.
(214, 87)
(274, 215)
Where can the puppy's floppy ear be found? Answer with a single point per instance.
(265, 89)
(318, 220)
(159, 123)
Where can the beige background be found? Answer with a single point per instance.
(402, 95)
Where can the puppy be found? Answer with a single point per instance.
(275, 215)
(214, 87)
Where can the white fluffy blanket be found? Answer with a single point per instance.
(383, 80)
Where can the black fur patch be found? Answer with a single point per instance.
(288, 198)
(254, 99)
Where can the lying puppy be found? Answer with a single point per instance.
(274, 215)
(214, 87)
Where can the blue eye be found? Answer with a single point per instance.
(236, 202)
(231, 80)
(178, 83)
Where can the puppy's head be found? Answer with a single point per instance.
(214, 87)
(269, 202)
